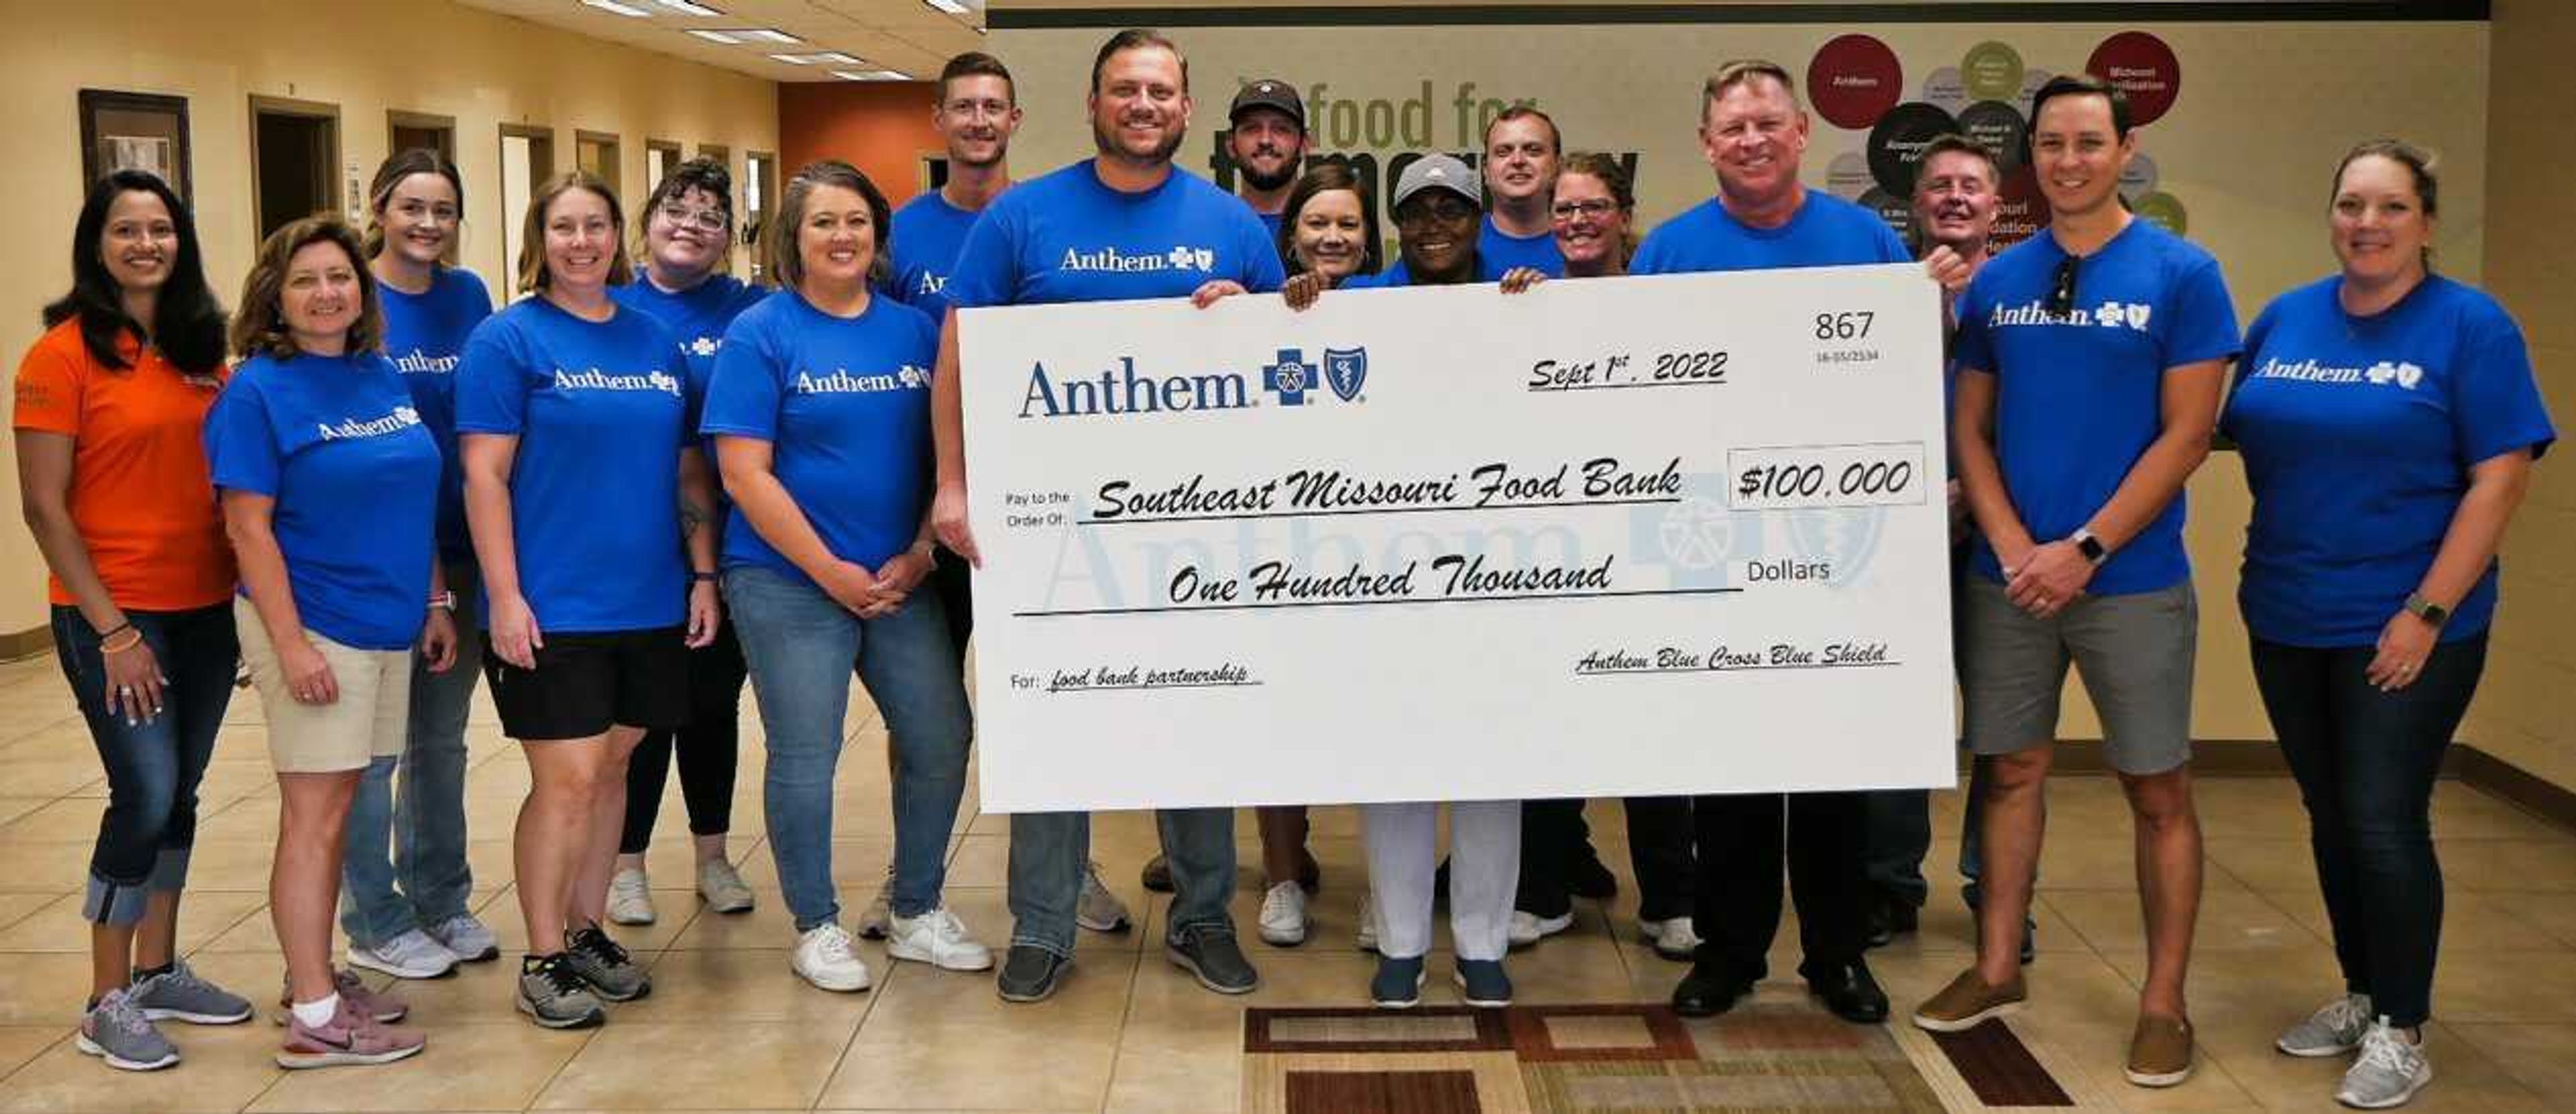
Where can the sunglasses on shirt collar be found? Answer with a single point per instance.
(2061, 288)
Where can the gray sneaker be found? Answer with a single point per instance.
(605, 966)
(466, 938)
(179, 995)
(1099, 910)
(2391, 1069)
(2333, 1030)
(555, 997)
(116, 1030)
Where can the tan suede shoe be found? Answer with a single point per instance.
(2160, 1051)
(1968, 1002)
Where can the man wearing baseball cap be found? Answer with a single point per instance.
(1268, 146)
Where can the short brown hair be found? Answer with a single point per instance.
(1739, 71)
(1137, 38)
(788, 263)
(533, 274)
(976, 63)
(1613, 176)
(2083, 85)
(1555, 138)
(260, 328)
(1950, 143)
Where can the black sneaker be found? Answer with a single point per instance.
(603, 964)
(1589, 879)
(554, 997)
(1210, 953)
(1030, 974)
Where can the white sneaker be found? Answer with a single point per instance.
(1673, 939)
(878, 921)
(826, 957)
(630, 900)
(2388, 1073)
(412, 955)
(1099, 910)
(1283, 915)
(939, 939)
(1530, 928)
(1367, 939)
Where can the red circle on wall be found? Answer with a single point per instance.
(2020, 209)
(2144, 68)
(1854, 80)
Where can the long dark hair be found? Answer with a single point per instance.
(187, 323)
(1324, 177)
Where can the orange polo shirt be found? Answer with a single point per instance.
(141, 493)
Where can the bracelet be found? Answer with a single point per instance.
(113, 631)
(926, 548)
(130, 643)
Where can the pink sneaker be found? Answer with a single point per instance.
(384, 1008)
(350, 1038)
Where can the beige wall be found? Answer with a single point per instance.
(2526, 711)
(365, 56)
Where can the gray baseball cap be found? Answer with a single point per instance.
(1438, 172)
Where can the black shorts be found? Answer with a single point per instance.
(585, 684)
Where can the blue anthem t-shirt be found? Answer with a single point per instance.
(425, 334)
(2358, 435)
(2079, 398)
(1066, 237)
(600, 414)
(340, 445)
(1826, 231)
(697, 316)
(923, 245)
(1506, 251)
(845, 404)
(1272, 222)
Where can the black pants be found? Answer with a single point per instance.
(1742, 842)
(2366, 761)
(708, 748)
(1554, 839)
(953, 579)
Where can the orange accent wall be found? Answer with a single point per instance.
(883, 128)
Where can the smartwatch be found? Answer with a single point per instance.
(2433, 614)
(2091, 547)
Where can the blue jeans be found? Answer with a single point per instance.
(801, 646)
(403, 864)
(1051, 851)
(153, 766)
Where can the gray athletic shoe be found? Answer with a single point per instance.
(117, 1031)
(605, 966)
(2391, 1069)
(179, 995)
(2333, 1030)
(555, 997)
(1210, 952)
(1099, 910)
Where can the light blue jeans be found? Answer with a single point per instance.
(801, 646)
(403, 864)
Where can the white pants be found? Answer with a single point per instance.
(1484, 874)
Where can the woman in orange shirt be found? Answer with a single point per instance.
(116, 489)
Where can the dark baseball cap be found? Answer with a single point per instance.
(1268, 92)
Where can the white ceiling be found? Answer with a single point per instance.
(903, 35)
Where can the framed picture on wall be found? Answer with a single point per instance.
(135, 131)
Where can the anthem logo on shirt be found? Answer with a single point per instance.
(402, 418)
(839, 381)
(1289, 378)
(2109, 315)
(705, 346)
(596, 380)
(417, 362)
(1110, 260)
(2380, 374)
(930, 285)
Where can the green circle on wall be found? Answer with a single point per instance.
(2163, 209)
(1991, 71)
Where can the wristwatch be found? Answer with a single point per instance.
(2433, 614)
(697, 577)
(924, 548)
(444, 601)
(2091, 547)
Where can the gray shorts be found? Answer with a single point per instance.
(2134, 653)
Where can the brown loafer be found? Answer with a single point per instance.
(1969, 1002)
(2160, 1051)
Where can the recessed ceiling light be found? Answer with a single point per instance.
(951, 7)
(689, 7)
(769, 35)
(726, 37)
(837, 58)
(870, 75)
(620, 9)
(794, 59)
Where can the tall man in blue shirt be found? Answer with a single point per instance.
(1753, 132)
(1125, 224)
(2089, 361)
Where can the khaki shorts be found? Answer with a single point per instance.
(369, 721)
(2133, 652)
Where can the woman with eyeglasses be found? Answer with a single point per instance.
(2369, 590)
(404, 869)
(687, 225)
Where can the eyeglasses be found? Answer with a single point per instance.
(1444, 210)
(1596, 207)
(2061, 288)
(710, 220)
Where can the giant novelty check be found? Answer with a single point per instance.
(1609, 537)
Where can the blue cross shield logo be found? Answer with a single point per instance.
(1290, 378)
(1346, 369)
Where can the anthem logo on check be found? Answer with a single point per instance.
(1288, 379)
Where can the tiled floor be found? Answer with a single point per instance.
(728, 1027)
